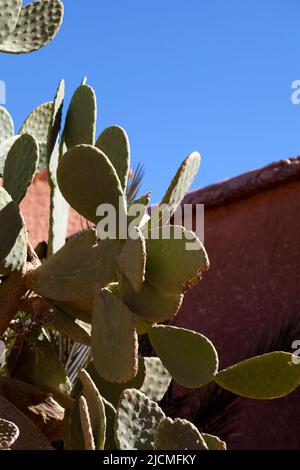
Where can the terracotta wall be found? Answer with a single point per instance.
(250, 297)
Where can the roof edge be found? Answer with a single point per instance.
(246, 184)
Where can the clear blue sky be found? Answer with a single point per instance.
(179, 75)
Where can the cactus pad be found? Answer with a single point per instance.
(114, 143)
(179, 186)
(10, 10)
(9, 433)
(136, 421)
(132, 260)
(114, 339)
(4, 149)
(96, 409)
(149, 304)
(265, 377)
(6, 122)
(37, 124)
(13, 235)
(85, 419)
(157, 380)
(87, 179)
(36, 26)
(81, 118)
(20, 166)
(72, 328)
(179, 434)
(194, 363)
(164, 272)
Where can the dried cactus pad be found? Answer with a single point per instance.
(190, 357)
(263, 377)
(137, 419)
(10, 10)
(114, 143)
(37, 25)
(179, 434)
(114, 339)
(9, 433)
(171, 266)
(20, 166)
(13, 235)
(6, 123)
(87, 179)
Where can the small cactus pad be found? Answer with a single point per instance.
(6, 122)
(137, 419)
(149, 304)
(13, 235)
(194, 363)
(36, 26)
(214, 443)
(114, 339)
(55, 124)
(265, 377)
(37, 124)
(96, 409)
(178, 188)
(165, 247)
(4, 149)
(72, 273)
(81, 118)
(85, 419)
(114, 143)
(20, 166)
(9, 433)
(87, 179)
(132, 260)
(178, 435)
(112, 391)
(157, 380)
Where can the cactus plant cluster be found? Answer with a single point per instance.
(27, 28)
(102, 292)
(107, 293)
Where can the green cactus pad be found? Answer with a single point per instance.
(149, 304)
(136, 421)
(164, 272)
(10, 10)
(72, 328)
(4, 149)
(264, 377)
(114, 339)
(37, 25)
(81, 118)
(20, 167)
(214, 443)
(114, 143)
(179, 434)
(132, 260)
(39, 365)
(87, 179)
(96, 409)
(112, 391)
(13, 235)
(37, 124)
(178, 188)
(194, 363)
(157, 379)
(9, 433)
(6, 122)
(71, 275)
